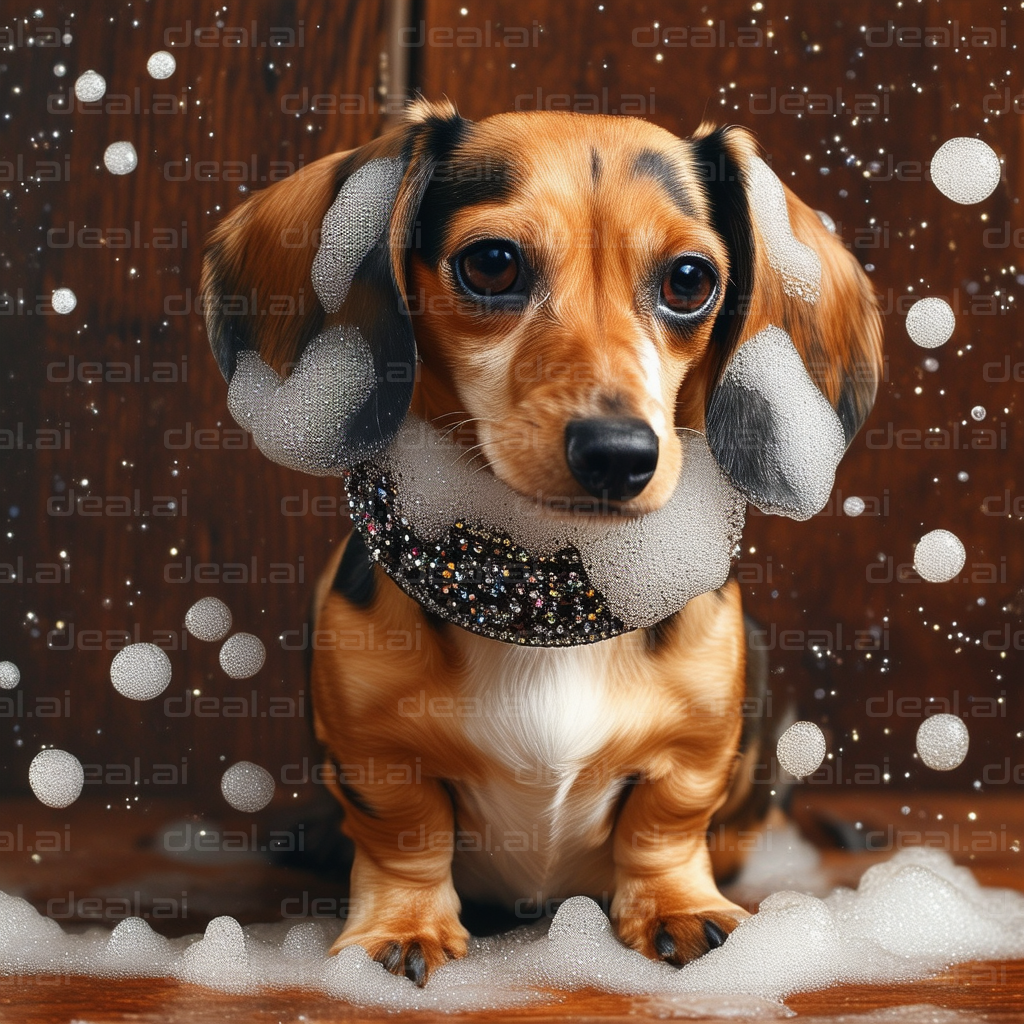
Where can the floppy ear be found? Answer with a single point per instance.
(303, 291)
(798, 343)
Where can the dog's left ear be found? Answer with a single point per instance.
(797, 349)
(303, 292)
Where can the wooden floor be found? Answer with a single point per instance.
(115, 856)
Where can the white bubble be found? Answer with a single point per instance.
(930, 323)
(208, 619)
(10, 675)
(56, 778)
(60, 70)
(965, 170)
(978, 413)
(242, 655)
(939, 556)
(140, 671)
(120, 158)
(963, 476)
(63, 300)
(853, 506)
(247, 787)
(161, 65)
(931, 364)
(801, 749)
(90, 86)
(942, 742)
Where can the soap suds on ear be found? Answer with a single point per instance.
(797, 264)
(302, 421)
(909, 918)
(772, 430)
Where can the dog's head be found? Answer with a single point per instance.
(577, 288)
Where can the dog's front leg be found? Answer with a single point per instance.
(666, 903)
(404, 911)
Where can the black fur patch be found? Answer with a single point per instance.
(595, 166)
(354, 578)
(652, 164)
(442, 135)
(228, 334)
(740, 429)
(455, 184)
(724, 185)
(855, 402)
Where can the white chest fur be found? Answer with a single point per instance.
(543, 715)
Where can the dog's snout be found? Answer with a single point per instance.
(611, 456)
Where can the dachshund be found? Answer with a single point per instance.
(577, 285)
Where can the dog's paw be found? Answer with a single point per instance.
(678, 938)
(414, 955)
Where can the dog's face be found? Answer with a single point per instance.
(566, 310)
(574, 285)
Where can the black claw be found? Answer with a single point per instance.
(664, 944)
(715, 936)
(416, 965)
(391, 956)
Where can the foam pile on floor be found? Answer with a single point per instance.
(909, 917)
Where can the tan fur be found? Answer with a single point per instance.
(396, 693)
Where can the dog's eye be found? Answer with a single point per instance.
(688, 285)
(489, 268)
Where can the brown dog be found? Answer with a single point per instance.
(577, 285)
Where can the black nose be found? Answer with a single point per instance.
(613, 457)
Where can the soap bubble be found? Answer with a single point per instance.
(242, 655)
(161, 64)
(63, 300)
(965, 170)
(978, 413)
(140, 671)
(120, 158)
(10, 675)
(90, 86)
(963, 476)
(247, 787)
(801, 749)
(208, 619)
(853, 506)
(942, 742)
(931, 364)
(930, 323)
(56, 778)
(939, 556)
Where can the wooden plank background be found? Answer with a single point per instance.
(851, 89)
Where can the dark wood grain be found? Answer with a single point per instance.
(236, 130)
(824, 93)
(810, 578)
(995, 989)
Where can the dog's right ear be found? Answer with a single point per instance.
(325, 249)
